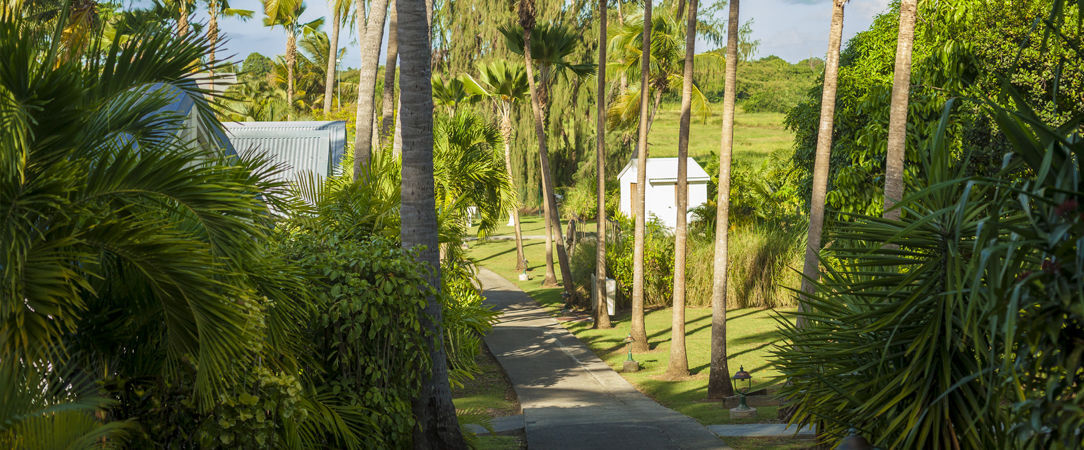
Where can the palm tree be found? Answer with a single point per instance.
(107, 201)
(373, 27)
(436, 425)
(667, 60)
(470, 173)
(287, 14)
(602, 314)
(454, 92)
(340, 14)
(216, 8)
(506, 84)
(811, 268)
(637, 328)
(719, 373)
(897, 118)
(553, 44)
(182, 18)
(679, 361)
(387, 113)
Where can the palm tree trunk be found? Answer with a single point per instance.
(654, 109)
(506, 132)
(639, 332)
(370, 62)
(719, 385)
(551, 275)
(182, 20)
(550, 201)
(543, 100)
(602, 315)
(897, 118)
(332, 57)
(212, 33)
(811, 269)
(679, 361)
(436, 424)
(387, 113)
(291, 60)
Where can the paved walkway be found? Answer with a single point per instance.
(570, 398)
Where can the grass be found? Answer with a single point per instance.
(750, 333)
(781, 443)
(756, 135)
(501, 442)
(489, 393)
(531, 225)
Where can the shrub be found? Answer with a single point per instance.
(658, 261)
(365, 330)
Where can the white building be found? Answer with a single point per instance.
(660, 195)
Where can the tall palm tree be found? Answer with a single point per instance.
(602, 313)
(216, 8)
(811, 268)
(340, 14)
(436, 425)
(719, 373)
(897, 117)
(506, 84)
(679, 361)
(373, 27)
(287, 14)
(387, 113)
(638, 330)
(553, 44)
(182, 19)
(666, 68)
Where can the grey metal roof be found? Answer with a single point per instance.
(316, 147)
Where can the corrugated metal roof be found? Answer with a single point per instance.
(316, 147)
(194, 127)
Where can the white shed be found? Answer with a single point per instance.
(660, 196)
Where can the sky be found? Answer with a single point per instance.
(791, 29)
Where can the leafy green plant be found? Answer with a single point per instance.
(257, 417)
(959, 324)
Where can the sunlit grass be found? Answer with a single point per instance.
(531, 225)
(756, 135)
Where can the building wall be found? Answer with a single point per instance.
(660, 201)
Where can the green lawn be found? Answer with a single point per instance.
(488, 393)
(770, 443)
(531, 224)
(749, 336)
(756, 135)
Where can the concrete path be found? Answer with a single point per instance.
(570, 398)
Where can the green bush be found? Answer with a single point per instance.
(763, 266)
(658, 261)
(365, 330)
(255, 419)
(958, 325)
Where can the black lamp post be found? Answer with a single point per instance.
(742, 375)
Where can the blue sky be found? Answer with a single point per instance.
(791, 29)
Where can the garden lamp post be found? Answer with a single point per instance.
(743, 409)
(630, 364)
(854, 442)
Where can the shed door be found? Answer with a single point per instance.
(634, 200)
